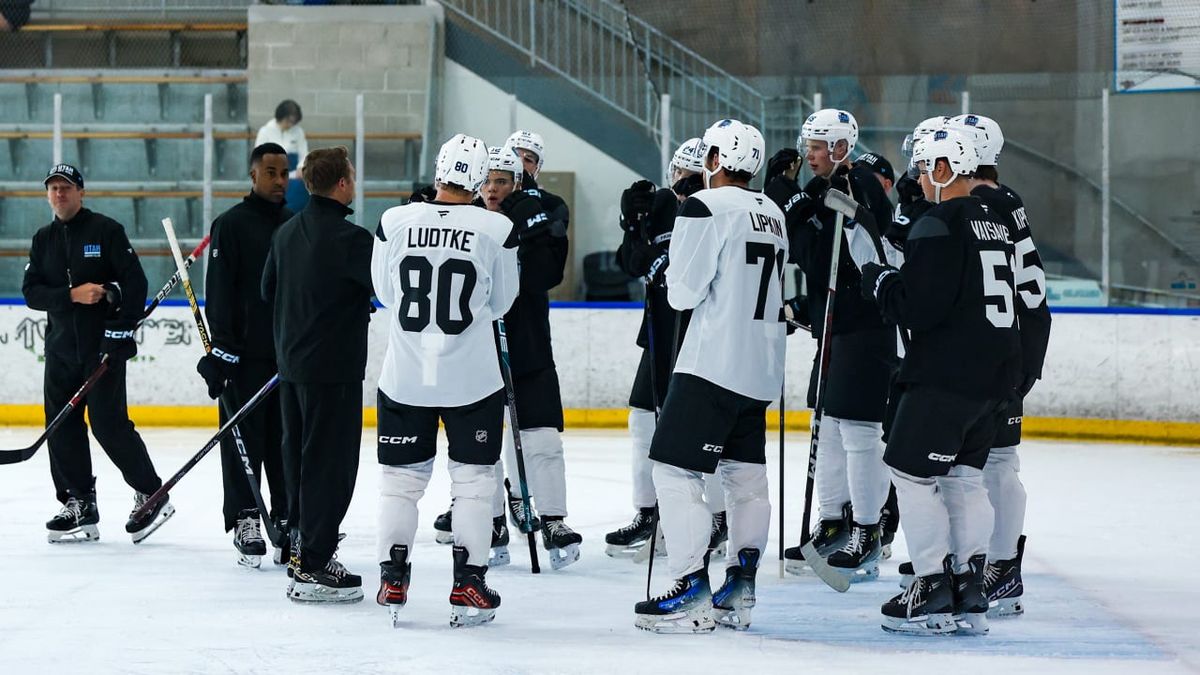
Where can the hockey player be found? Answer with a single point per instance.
(444, 270)
(728, 249)
(647, 218)
(243, 348)
(850, 465)
(84, 273)
(318, 280)
(955, 293)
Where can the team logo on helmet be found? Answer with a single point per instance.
(725, 123)
(940, 135)
(971, 121)
(843, 117)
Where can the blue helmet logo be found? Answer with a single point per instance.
(724, 123)
(972, 121)
(940, 135)
(843, 117)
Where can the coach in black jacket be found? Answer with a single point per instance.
(83, 271)
(243, 344)
(318, 277)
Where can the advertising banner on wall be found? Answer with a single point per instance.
(1157, 45)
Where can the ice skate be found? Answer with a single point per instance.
(498, 555)
(283, 549)
(516, 511)
(393, 582)
(926, 607)
(560, 541)
(146, 525)
(828, 536)
(442, 525)
(970, 601)
(686, 608)
(76, 522)
(1003, 585)
(248, 540)
(331, 584)
(858, 558)
(471, 601)
(625, 542)
(888, 524)
(735, 598)
(906, 574)
(718, 541)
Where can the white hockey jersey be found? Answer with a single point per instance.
(727, 253)
(443, 274)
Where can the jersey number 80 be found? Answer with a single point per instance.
(415, 296)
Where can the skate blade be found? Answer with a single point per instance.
(561, 557)
(316, 594)
(799, 568)
(932, 624)
(695, 621)
(249, 561)
(463, 617)
(79, 535)
(1005, 608)
(444, 537)
(971, 623)
(831, 576)
(620, 551)
(858, 575)
(394, 614)
(499, 557)
(737, 619)
(163, 516)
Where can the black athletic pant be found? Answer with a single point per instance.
(70, 454)
(322, 431)
(262, 436)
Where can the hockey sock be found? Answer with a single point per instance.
(749, 505)
(926, 523)
(1001, 476)
(472, 487)
(641, 431)
(970, 512)
(685, 521)
(400, 488)
(833, 490)
(866, 474)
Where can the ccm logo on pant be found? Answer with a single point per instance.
(942, 458)
(710, 447)
(397, 440)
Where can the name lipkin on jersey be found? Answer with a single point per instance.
(761, 222)
(986, 230)
(424, 236)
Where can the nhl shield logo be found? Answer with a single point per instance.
(481, 436)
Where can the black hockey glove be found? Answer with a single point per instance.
(112, 295)
(636, 202)
(657, 275)
(840, 180)
(874, 276)
(908, 190)
(781, 163)
(118, 343)
(529, 218)
(815, 188)
(217, 368)
(688, 185)
(785, 192)
(795, 310)
(424, 194)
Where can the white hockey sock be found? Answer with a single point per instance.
(499, 496)
(546, 470)
(472, 487)
(400, 488)
(1006, 492)
(685, 521)
(970, 513)
(714, 493)
(833, 489)
(867, 476)
(745, 487)
(926, 523)
(641, 431)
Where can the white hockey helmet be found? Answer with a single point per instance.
(989, 140)
(531, 141)
(954, 147)
(505, 158)
(925, 128)
(830, 125)
(688, 157)
(740, 147)
(463, 162)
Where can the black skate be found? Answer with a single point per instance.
(907, 574)
(248, 540)
(560, 541)
(393, 582)
(828, 536)
(686, 608)
(331, 584)
(146, 525)
(1003, 585)
(625, 542)
(443, 526)
(970, 601)
(858, 558)
(926, 607)
(735, 598)
(293, 561)
(283, 549)
(76, 522)
(516, 511)
(718, 540)
(889, 522)
(471, 601)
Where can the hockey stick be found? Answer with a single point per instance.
(811, 556)
(22, 454)
(526, 508)
(181, 269)
(649, 314)
(153, 500)
(782, 384)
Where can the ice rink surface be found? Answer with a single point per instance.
(1109, 583)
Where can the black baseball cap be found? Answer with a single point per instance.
(65, 171)
(878, 164)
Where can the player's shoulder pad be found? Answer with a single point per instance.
(1012, 196)
(929, 226)
(694, 207)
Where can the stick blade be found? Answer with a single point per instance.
(832, 578)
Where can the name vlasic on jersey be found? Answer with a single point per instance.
(727, 253)
(443, 275)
